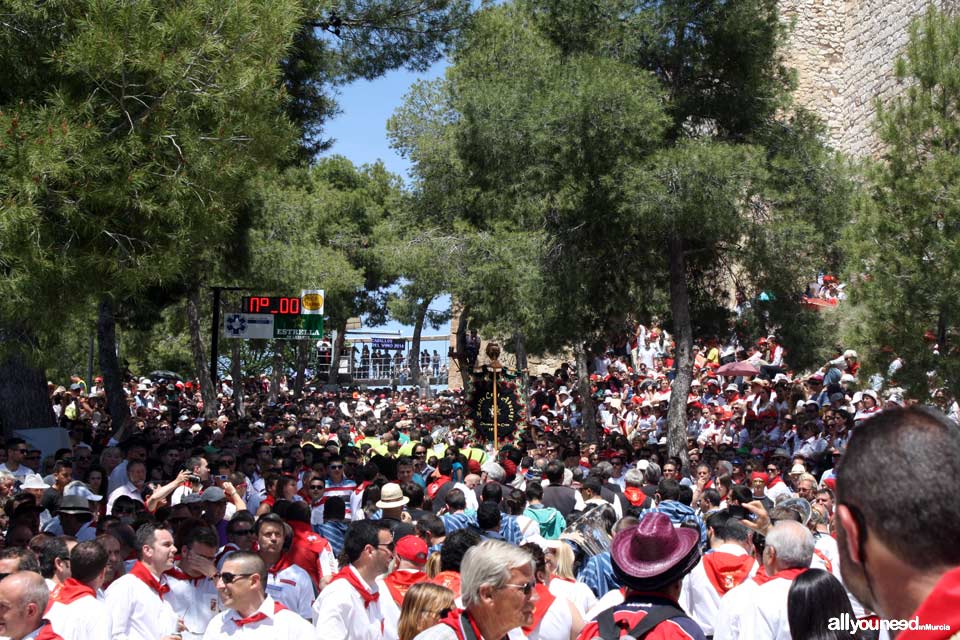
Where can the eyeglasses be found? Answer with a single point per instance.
(390, 546)
(772, 469)
(21, 450)
(335, 466)
(316, 487)
(227, 578)
(241, 532)
(527, 588)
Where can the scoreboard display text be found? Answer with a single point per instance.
(276, 305)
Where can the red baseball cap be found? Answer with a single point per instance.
(412, 549)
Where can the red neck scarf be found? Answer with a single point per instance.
(938, 608)
(280, 565)
(175, 572)
(789, 574)
(399, 582)
(258, 616)
(772, 482)
(455, 620)
(450, 580)
(362, 486)
(348, 574)
(141, 571)
(47, 633)
(71, 590)
(545, 599)
(726, 570)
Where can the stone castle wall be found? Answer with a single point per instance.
(843, 52)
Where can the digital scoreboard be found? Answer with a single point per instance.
(276, 305)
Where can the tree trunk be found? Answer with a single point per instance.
(275, 370)
(24, 398)
(337, 349)
(520, 348)
(683, 356)
(588, 410)
(117, 405)
(207, 391)
(942, 332)
(415, 343)
(303, 352)
(236, 372)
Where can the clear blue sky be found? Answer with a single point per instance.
(360, 134)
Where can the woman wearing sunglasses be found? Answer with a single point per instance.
(423, 606)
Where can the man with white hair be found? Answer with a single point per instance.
(787, 553)
(498, 588)
(23, 599)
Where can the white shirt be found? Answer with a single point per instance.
(389, 608)
(137, 612)
(293, 588)
(196, 601)
(85, 618)
(118, 477)
(699, 598)
(22, 471)
(339, 612)
(128, 490)
(578, 593)
(768, 615)
(733, 606)
(280, 625)
(556, 622)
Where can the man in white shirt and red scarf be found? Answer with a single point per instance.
(349, 607)
(776, 488)
(193, 594)
(250, 613)
(499, 594)
(286, 582)
(137, 608)
(412, 556)
(76, 613)
(728, 565)
(787, 553)
(23, 599)
(898, 546)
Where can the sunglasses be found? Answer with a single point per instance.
(241, 532)
(527, 588)
(335, 466)
(228, 577)
(772, 469)
(316, 487)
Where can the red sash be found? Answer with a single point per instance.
(545, 599)
(450, 580)
(399, 582)
(259, 615)
(826, 561)
(347, 574)
(726, 570)
(939, 608)
(71, 590)
(141, 571)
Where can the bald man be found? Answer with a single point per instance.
(23, 599)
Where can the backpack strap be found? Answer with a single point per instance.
(609, 628)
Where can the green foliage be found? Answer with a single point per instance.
(904, 257)
(129, 133)
(318, 229)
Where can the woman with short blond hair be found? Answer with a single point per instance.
(423, 606)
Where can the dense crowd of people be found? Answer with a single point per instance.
(806, 506)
